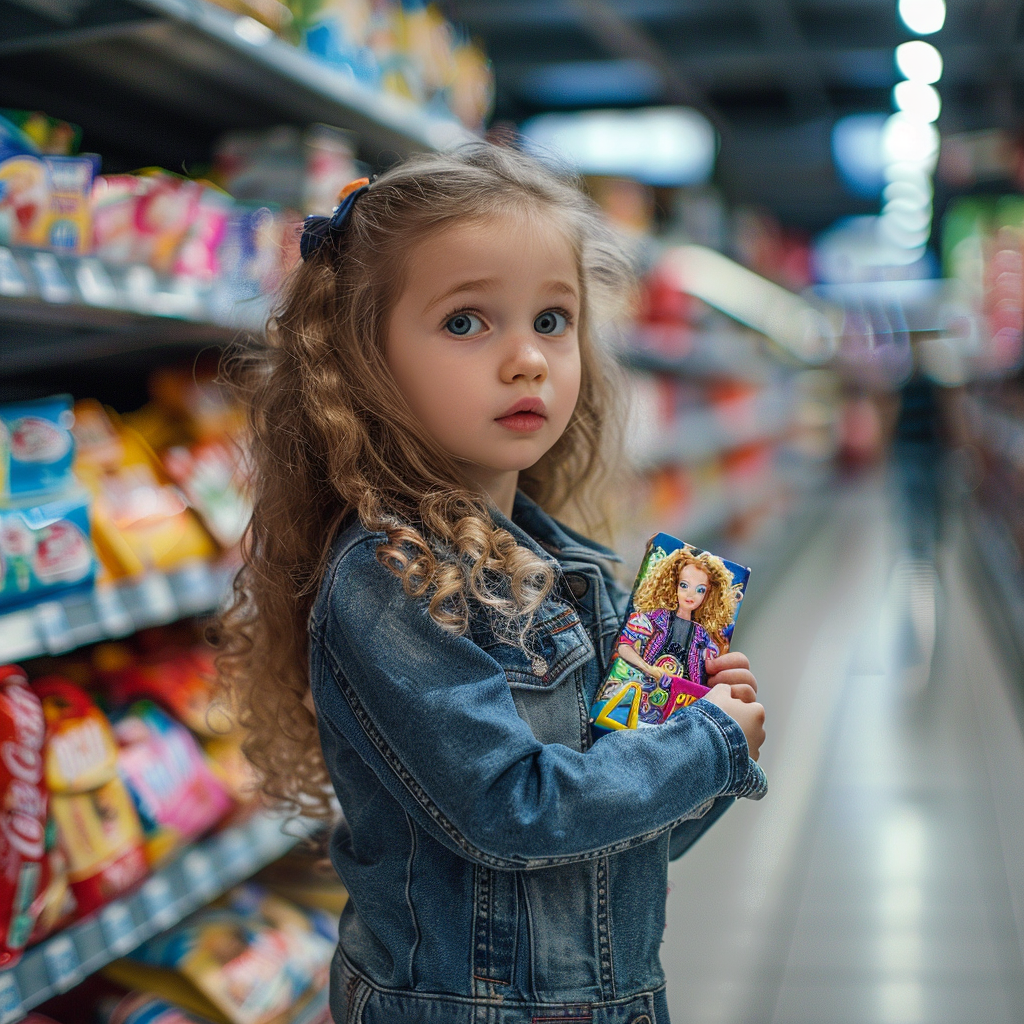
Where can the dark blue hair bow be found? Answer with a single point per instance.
(316, 230)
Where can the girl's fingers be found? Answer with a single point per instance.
(734, 677)
(745, 693)
(734, 659)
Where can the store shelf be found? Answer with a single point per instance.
(59, 309)
(199, 875)
(695, 354)
(171, 65)
(108, 613)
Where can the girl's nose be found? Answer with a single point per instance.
(524, 362)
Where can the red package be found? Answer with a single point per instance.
(22, 811)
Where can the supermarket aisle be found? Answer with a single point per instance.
(879, 881)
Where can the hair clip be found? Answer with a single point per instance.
(316, 230)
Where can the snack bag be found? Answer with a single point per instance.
(22, 812)
(681, 612)
(233, 966)
(97, 823)
(140, 519)
(36, 447)
(177, 795)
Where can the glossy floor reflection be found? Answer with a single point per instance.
(882, 880)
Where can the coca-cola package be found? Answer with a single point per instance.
(22, 811)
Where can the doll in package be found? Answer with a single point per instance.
(682, 611)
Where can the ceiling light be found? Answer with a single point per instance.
(919, 61)
(923, 16)
(917, 100)
(909, 139)
(914, 191)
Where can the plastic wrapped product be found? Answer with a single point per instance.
(96, 820)
(23, 814)
(177, 794)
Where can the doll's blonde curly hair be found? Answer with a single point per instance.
(658, 590)
(332, 438)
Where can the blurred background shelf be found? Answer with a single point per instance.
(157, 81)
(193, 879)
(78, 618)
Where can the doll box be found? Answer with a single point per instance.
(682, 610)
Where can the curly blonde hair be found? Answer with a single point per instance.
(658, 590)
(332, 438)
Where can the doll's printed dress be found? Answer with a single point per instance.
(669, 642)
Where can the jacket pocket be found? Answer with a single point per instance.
(545, 680)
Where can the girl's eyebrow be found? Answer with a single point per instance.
(481, 285)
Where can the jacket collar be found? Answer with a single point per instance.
(545, 535)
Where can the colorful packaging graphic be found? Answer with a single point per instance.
(22, 812)
(45, 548)
(36, 447)
(682, 611)
(98, 826)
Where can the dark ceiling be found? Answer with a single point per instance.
(773, 75)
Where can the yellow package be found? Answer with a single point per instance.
(140, 520)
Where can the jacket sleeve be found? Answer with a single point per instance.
(433, 716)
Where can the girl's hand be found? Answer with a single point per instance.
(733, 668)
(749, 715)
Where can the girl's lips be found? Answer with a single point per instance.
(522, 422)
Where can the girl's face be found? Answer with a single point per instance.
(691, 589)
(483, 344)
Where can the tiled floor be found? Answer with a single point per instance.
(882, 879)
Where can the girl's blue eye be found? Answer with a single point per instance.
(551, 322)
(464, 324)
(684, 586)
(702, 590)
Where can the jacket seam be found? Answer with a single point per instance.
(408, 899)
(470, 850)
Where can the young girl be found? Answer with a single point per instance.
(413, 627)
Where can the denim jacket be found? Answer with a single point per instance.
(500, 868)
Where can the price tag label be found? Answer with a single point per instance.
(11, 280)
(10, 999)
(94, 283)
(63, 967)
(238, 852)
(200, 873)
(118, 927)
(111, 612)
(158, 899)
(157, 598)
(53, 285)
(19, 637)
(52, 623)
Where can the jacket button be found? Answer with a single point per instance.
(578, 585)
(539, 666)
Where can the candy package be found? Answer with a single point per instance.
(97, 823)
(45, 548)
(36, 447)
(249, 961)
(177, 795)
(681, 612)
(22, 812)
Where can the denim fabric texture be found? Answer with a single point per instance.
(500, 868)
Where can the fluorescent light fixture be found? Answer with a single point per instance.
(590, 83)
(916, 172)
(907, 215)
(656, 145)
(917, 100)
(923, 17)
(908, 139)
(919, 61)
(917, 192)
(857, 152)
